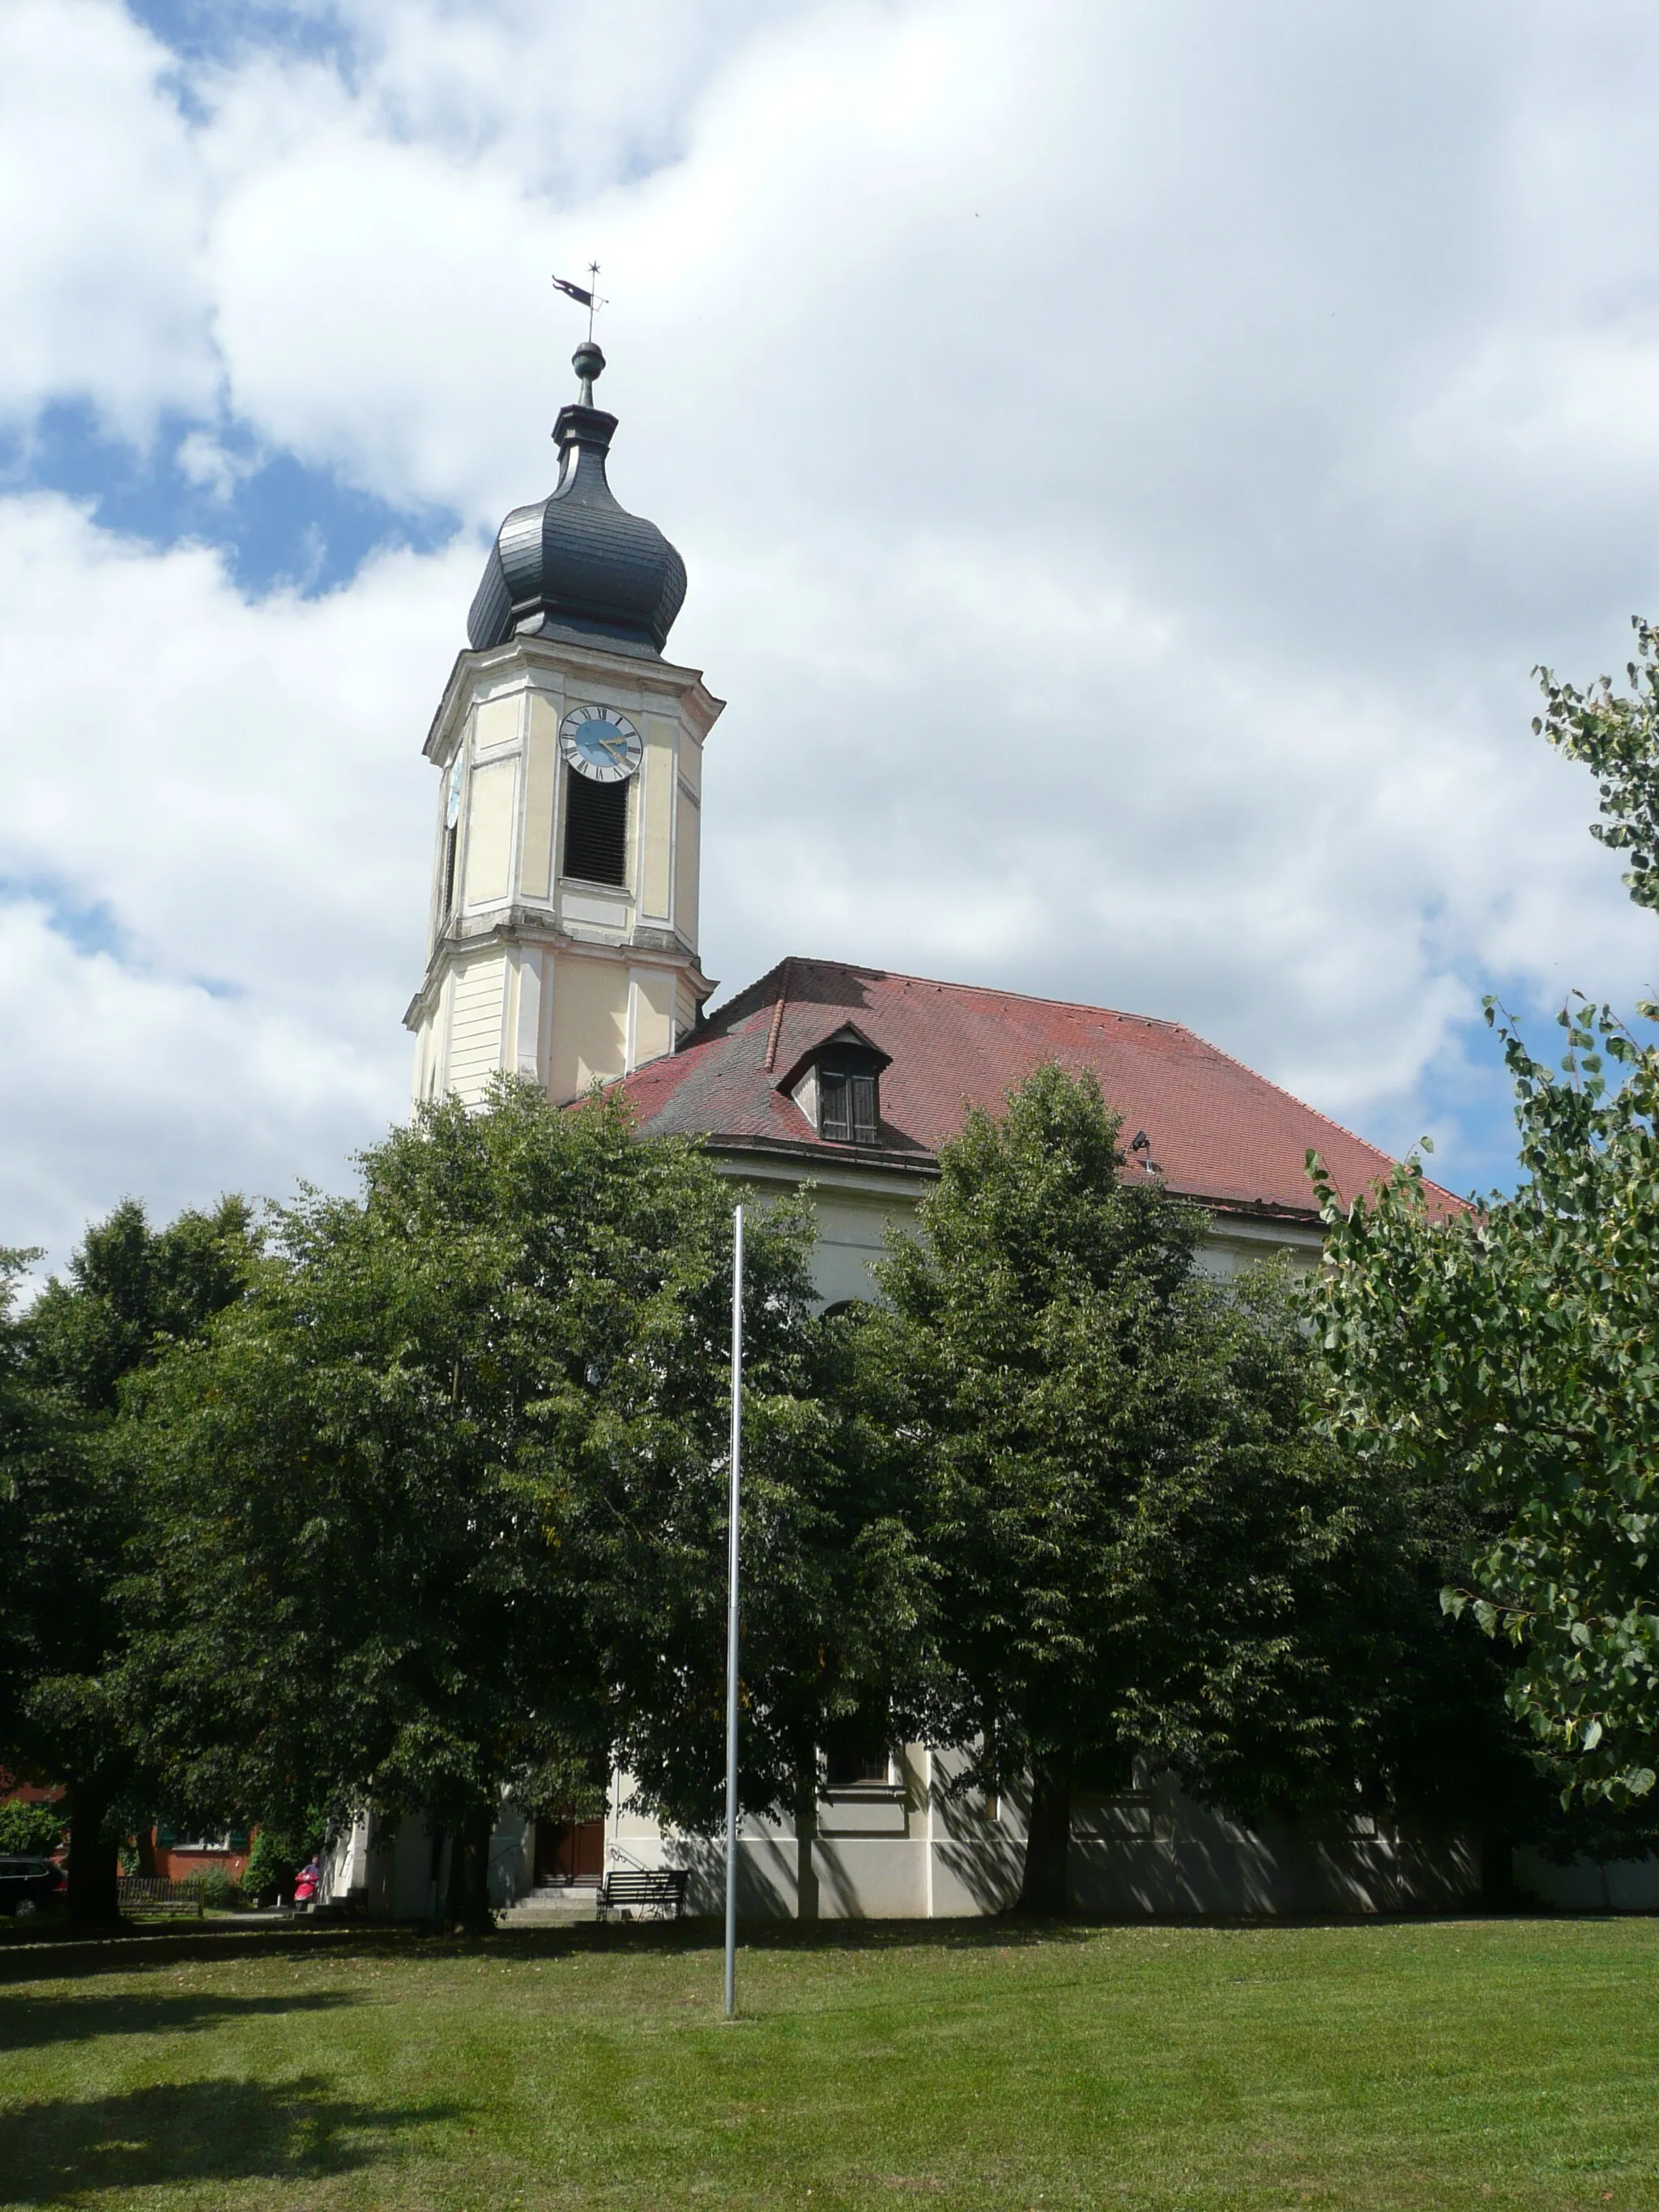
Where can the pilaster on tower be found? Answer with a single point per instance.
(563, 932)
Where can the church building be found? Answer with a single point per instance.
(563, 947)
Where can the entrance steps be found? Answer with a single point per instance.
(553, 1905)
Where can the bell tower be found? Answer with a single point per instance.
(562, 935)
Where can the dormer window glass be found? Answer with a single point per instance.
(846, 1107)
(837, 1083)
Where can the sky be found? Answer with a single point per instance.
(1130, 456)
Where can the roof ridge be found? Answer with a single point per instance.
(987, 991)
(770, 1061)
(737, 1007)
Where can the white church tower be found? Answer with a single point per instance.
(562, 939)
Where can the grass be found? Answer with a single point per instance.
(1399, 2065)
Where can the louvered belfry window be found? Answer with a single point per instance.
(846, 1107)
(595, 829)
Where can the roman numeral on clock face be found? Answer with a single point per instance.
(600, 743)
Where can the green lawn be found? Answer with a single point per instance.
(1404, 2064)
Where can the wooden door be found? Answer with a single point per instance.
(569, 1851)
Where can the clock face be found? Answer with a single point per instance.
(452, 796)
(599, 742)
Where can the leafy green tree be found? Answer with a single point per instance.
(445, 1499)
(1510, 1353)
(130, 1291)
(70, 1514)
(1136, 1545)
(1616, 736)
(835, 1594)
(276, 1857)
(33, 1827)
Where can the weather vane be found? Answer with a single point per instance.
(584, 296)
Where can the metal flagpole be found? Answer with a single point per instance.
(732, 1621)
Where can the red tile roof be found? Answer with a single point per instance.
(1218, 1132)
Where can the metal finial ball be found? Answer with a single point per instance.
(588, 360)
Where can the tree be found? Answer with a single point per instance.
(1512, 1350)
(1510, 1353)
(1126, 1521)
(34, 1828)
(1617, 738)
(71, 1516)
(445, 1499)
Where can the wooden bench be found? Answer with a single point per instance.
(631, 1892)
(147, 1893)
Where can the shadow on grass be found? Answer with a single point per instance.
(27, 2022)
(137, 1950)
(671, 1939)
(193, 2131)
(1000, 1932)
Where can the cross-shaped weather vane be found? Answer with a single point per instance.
(584, 296)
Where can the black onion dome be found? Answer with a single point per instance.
(575, 563)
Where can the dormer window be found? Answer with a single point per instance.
(838, 1086)
(846, 1107)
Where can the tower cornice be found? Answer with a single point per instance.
(565, 659)
(645, 947)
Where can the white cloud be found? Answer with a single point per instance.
(240, 788)
(103, 282)
(1128, 458)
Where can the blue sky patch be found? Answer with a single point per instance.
(278, 521)
(217, 30)
(89, 925)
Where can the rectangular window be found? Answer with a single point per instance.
(450, 841)
(846, 1107)
(854, 1763)
(595, 829)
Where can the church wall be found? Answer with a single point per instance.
(532, 999)
(852, 1237)
(475, 1024)
(590, 1022)
(921, 1850)
(650, 1015)
(687, 832)
(657, 819)
(855, 1206)
(489, 863)
(496, 722)
(1591, 1884)
(541, 798)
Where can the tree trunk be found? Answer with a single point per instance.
(144, 1848)
(93, 1859)
(1048, 1835)
(806, 1834)
(469, 1873)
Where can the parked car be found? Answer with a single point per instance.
(27, 1884)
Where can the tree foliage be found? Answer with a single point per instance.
(445, 1499)
(1616, 737)
(71, 1514)
(1510, 1351)
(34, 1827)
(1136, 1546)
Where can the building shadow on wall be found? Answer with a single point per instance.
(58, 2149)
